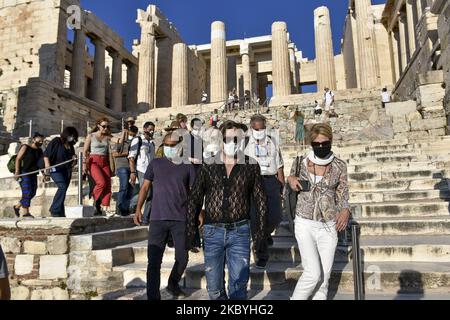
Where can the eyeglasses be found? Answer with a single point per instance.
(321, 144)
(106, 127)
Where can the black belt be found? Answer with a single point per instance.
(268, 177)
(228, 226)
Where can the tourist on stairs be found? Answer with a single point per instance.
(60, 150)
(267, 152)
(171, 181)
(123, 171)
(141, 155)
(27, 161)
(228, 187)
(97, 163)
(322, 211)
(299, 119)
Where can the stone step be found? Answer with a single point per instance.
(108, 239)
(408, 276)
(400, 185)
(403, 226)
(280, 295)
(418, 208)
(386, 249)
(395, 175)
(384, 196)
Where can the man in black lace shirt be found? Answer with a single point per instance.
(227, 188)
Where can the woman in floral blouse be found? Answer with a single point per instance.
(322, 211)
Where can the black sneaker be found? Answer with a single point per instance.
(176, 292)
(270, 241)
(261, 264)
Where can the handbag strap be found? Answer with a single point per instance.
(299, 165)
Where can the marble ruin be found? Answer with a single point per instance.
(398, 157)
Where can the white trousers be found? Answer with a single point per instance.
(317, 243)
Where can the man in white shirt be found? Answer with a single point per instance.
(329, 102)
(142, 152)
(385, 97)
(204, 97)
(266, 151)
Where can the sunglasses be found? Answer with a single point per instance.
(106, 127)
(321, 144)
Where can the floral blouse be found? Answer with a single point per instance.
(327, 197)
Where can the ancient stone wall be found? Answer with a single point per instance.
(197, 76)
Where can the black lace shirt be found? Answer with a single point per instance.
(227, 200)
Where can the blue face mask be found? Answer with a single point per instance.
(171, 152)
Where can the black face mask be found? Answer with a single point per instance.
(322, 150)
(38, 144)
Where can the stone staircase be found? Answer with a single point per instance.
(400, 198)
(399, 193)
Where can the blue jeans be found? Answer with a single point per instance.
(232, 246)
(29, 186)
(125, 191)
(62, 180)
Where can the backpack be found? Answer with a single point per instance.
(12, 162)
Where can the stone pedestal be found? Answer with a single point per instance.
(218, 62)
(368, 59)
(180, 75)
(146, 83)
(78, 73)
(281, 72)
(326, 72)
(77, 212)
(98, 83)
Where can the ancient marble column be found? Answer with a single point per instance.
(368, 59)
(180, 75)
(218, 62)
(131, 88)
(411, 26)
(116, 87)
(419, 9)
(326, 72)
(393, 38)
(146, 82)
(246, 72)
(403, 41)
(78, 72)
(293, 64)
(98, 82)
(281, 72)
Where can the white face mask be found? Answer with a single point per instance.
(130, 138)
(230, 149)
(171, 152)
(259, 135)
(197, 132)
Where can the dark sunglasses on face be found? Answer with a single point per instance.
(106, 127)
(321, 144)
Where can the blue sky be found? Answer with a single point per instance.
(243, 18)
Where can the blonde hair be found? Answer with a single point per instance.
(321, 129)
(298, 114)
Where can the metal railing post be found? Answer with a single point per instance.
(31, 129)
(358, 271)
(80, 178)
